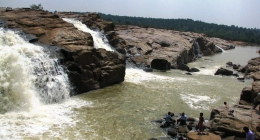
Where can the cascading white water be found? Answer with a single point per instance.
(220, 48)
(100, 41)
(196, 49)
(28, 75)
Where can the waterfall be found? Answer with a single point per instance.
(196, 49)
(29, 76)
(100, 40)
(220, 48)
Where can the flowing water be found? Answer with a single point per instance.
(122, 111)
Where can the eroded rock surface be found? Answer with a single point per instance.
(176, 47)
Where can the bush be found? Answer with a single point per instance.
(36, 7)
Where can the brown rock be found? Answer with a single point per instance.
(246, 96)
(89, 68)
(203, 136)
(232, 123)
(173, 46)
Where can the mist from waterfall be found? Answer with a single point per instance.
(100, 40)
(29, 76)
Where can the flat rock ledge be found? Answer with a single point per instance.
(202, 136)
(229, 121)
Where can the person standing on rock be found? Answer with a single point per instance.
(249, 134)
(200, 124)
(257, 100)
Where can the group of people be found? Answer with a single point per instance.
(182, 120)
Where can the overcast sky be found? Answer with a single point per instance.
(242, 13)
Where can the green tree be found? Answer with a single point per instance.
(36, 7)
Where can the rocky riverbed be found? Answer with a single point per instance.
(90, 68)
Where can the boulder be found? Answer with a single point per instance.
(222, 71)
(229, 63)
(172, 132)
(223, 120)
(194, 70)
(182, 66)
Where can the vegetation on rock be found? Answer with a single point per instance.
(36, 7)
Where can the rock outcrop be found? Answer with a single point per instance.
(230, 121)
(147, 44)
(93, 21)
(89, 68)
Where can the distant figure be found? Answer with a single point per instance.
(256, 100)
(182, 119)
(168, 119)
(200, 124)
(225, 103)
(249, 134)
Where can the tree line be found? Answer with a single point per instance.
(232, 32)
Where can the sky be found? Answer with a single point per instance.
(241, 13)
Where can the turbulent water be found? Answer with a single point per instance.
(100, 41)
(122, 111)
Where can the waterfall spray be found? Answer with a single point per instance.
(28, 75)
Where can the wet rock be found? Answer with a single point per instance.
(235, 66)
(148, 69)
(182, 66)
(229, 63)
(191, 119)
(182, 129)
(194, 70)
(188, 73)
(223, 71)
(172, 132)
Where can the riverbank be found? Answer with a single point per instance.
(228, 121)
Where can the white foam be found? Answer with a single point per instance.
(26, 73)
(198, 101)
(100, 41)
(46, 118)
(139, 76)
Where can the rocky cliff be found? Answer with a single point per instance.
(144, 45)
(88, 68)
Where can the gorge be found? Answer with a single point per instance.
(129, 98)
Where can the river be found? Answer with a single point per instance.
(122, 111)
